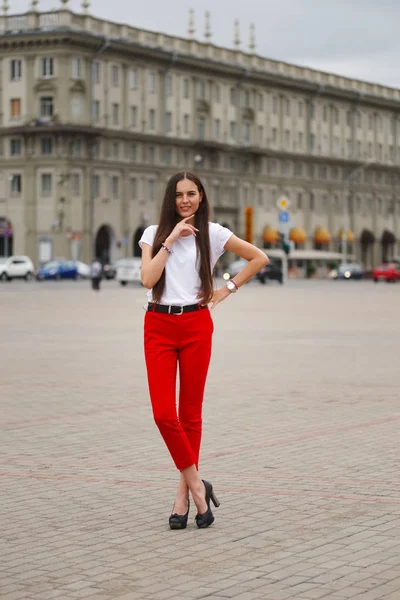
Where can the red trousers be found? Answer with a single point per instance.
(169, 341)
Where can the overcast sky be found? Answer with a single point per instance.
(356, 38)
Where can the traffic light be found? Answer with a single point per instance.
(283, 243)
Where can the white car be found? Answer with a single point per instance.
(15, 267)
(83, 269)
(129, 270)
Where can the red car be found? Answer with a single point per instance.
(388, 272)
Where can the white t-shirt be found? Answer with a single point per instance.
(182, 281)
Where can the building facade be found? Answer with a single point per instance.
(95, 116)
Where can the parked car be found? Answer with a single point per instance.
(129, 270)
(58, 269)
(388, 272)
(20, 267)
(83, 269)
(271, 271)
(347, 271)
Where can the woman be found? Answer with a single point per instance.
(178, 257)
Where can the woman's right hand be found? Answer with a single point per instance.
(183, 228)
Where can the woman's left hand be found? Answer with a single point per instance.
(219, 296)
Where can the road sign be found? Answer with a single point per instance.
(283, 216)
(283, 203)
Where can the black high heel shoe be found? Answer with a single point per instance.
(179, 521)
(207, 518)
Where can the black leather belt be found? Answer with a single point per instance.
(174, 310)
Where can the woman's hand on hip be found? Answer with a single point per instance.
(219, 296)
(180, 229)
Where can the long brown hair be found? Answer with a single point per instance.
(169, 218)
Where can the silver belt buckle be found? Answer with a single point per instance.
(177, 314)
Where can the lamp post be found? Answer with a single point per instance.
(347, 180)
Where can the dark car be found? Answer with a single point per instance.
(58, 269)
(347, 271)
(271, 271)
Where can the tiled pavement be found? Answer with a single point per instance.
(301, 441)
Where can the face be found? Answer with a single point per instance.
(188, 198)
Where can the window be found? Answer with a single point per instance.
(96, 110)
(311, 110)
(16, 184)
(287, 139)
(371, 122)
(133, 116)
(312, 142)
(324, 144)
(152, 119)
(287, 107)
(115, 76)
(380, 152)
(167, 156)
(168, 122)
(298, 169)
(115, 186)
(15, 70)
(232, 129)
(349, 118)
(76, 107)
(217, 128)
(233, 96)
(46, 146)
(95, 149)
(134, 188)
(96, 72)
(201, 128)
(76, 148)
(274, 136)
(312, 201)
(46, 184)
(96, 186)
(274, 105)
(300, 110)
(115, 150)
(359, 120)
(336, 146)
(325, 114)
(15, 147)
(260, 134)
(349, 148)
(300, 140)
(15, 107)
(168, 85)
(217, 93)
(151, 81)
(75, 184)
(151, 189)
(133, 78)
(299, 203)
(322, 172)
(247, 99)
(185, 123)
(201, 90)
(76, 68)
(246, 132)
(336, 116)
(115, 113)
(150, 155)
(260, 101)
(46, 106)
(47, 67)
(186, 88)
(369, 149)
(260, 197)
(134, 152)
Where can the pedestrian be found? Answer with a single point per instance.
(178, 258)
(95, 274)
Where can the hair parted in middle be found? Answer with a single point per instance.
(169, 218)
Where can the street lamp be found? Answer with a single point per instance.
(346, 181)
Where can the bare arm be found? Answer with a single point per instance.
(256, 257)
(257, 260)
(152, 268)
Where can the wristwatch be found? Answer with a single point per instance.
(232, 287)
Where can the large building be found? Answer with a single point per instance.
(95, 116)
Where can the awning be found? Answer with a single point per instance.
(322, 236)
(271, 235)
(350, 236)
(298, 235)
